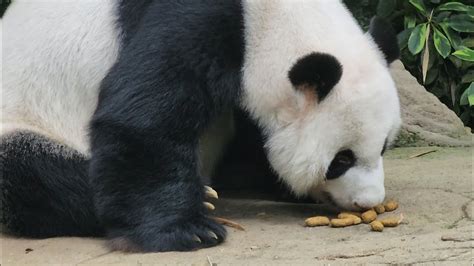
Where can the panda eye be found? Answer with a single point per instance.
(342, 162)
(344, 159)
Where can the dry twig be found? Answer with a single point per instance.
(229, 223)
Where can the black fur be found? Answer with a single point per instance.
(130, 14)
(385, 37)
(179, 69)
(342, 162)
(44, 188)
(245, 167)
(318, 70)
(3, 6)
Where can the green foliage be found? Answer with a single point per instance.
(417, 39)
(363, 10)
(467, 98)
(443, 30)
(437, 42)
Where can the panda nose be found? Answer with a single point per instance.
(369, 199)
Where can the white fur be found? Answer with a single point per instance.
(359, 188)
(56, 53)
(358, 114)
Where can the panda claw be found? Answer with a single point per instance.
(197, 239)
(209, 206)
(210, 192)
(213, 235)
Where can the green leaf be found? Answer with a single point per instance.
(410, 21)
(468, 42)
(385, 8)
(465, 54)
(403, 38)
(420, 5)
(434, 58)
(466, 116)
(470, 13)
(465, 65)
(441, 43)
(461, 23)
(417, 39)
(432, 75)
(442, 16)
(453, 36)
(453, 6)
(456, 61)
(425, 60)
(468, 96)
(468, 77)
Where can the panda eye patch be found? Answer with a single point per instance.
(342, 162)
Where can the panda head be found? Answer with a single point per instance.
(329, 114)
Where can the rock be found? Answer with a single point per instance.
(426, 120)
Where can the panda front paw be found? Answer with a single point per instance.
(172, 234)
(195, 233)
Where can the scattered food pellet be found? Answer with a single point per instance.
(342, 222)
(376, 226)
(392, 221)
(391, 205)
(369, 216)
(379, 209)
(358, 214)
(348, 218)
(317, 221)
(355, 219)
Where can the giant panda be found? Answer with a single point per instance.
(108, 108)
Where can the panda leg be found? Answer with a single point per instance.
(145, 165)
(148, 193)
(44, 188)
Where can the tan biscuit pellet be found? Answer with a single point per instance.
(358, 214)
(379, 209)
(317, 221)
(342, 222)
(391, 205)
(354, 218)
(376, 226)
(392, 221)
(369, 216)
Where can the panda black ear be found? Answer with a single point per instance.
(317, 71)
(384, 36)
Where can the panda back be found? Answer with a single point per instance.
(56, 54)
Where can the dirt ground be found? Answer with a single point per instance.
(435, 192)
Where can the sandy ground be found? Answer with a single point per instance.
(436, 197)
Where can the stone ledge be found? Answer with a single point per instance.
(426, 120)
